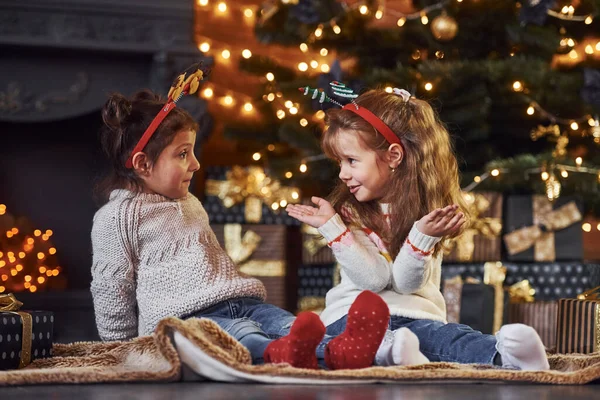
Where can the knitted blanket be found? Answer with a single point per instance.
(202, 350)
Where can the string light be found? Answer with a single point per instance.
(246, 53)
(248, 13)
(256, 156)
(222, 7)
(204, 47)
(428, 86)
(226, 54)
(248, 107)
(270, 76)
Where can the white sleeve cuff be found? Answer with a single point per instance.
(420, 240)
(333, 228)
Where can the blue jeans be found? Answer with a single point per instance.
(439, 341)
(251, 322)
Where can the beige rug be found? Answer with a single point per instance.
(214, 355)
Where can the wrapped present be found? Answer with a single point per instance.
(314, 247)
(551, 280)
(540, 315)
(481, 241)
(482, 306)
(247, 195)
(578, 324)
(270, 253)
(591, 238)
(314, 281)
(24, 335)
(540, 230)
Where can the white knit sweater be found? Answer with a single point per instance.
(156, 257)
(410, 284)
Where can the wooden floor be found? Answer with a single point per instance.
(206, 391)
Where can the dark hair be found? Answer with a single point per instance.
(125, 121)
(426, 179)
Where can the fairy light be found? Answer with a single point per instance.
(364, 10)
(303, 66)
(587, 227)
(570, 42)
(591, 122)
(303, 168)
(379, 13)
(289, 174)
(573, 54)
(545, 176)
(275, 206)
(389, 89)
(288, 104)
(283, 203)
(228, 100)
(336, 29)
(207, 93)
(589, 20)
(222, 7)
(424, 19)
(598, 46)
(203, 3)
(589, 49)
(248, 13)
(303, 47)
(517, 86)
(318, 31)
(246, 54)
(271, 96)
(293, 110)
(401, 22)
(428, 86)
(578, 161)
(324, 52)
(226, 54)
(280, 114)
(314, 64)
(495, 172)
(204, 47)
(564, 173)
(303, 122)
(248, 107)
(477, 179)
(256, 156)
(37, 232)
(530, 110)
(270, 76)
(320, 114)
(574, 125)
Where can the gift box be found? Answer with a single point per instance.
(314, 247)
(591, 238)
(551, 280)
(482, 306)
(24, 335)
(314, 281)
(481, 241)
(540, 315)
(246, 195)
(540, 230)
(270, 253)
(578, 325)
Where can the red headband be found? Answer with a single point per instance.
(180, 87)
(378, 124)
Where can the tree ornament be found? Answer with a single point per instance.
(444, 27)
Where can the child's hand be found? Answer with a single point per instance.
(313, 216)
(441, 222)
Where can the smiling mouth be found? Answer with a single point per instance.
(353, 189)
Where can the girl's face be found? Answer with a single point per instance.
(172, 173)
(361, 169)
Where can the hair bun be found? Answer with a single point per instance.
(116, 109)
(145, 95)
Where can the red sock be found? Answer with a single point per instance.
(299, 347)
(366, 325)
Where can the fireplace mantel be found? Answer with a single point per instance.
(61, 58)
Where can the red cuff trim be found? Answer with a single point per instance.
(339, 238)
(417, 250)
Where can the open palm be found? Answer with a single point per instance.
(441, 221)
(313, 216)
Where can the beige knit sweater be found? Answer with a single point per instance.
(155, 257)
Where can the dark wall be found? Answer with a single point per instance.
(47, 171)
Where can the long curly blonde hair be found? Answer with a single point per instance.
(426, 179)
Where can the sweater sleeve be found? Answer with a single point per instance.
(359, 257)
(113, 279)
(413, 265)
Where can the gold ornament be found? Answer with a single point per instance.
(552, 187)
(444, 28)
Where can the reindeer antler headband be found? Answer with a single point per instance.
(180, 87)
(341, 90)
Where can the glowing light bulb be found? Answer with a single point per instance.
(226, 54)
(303, 66)
(248, 107)
(530, 110)
(517, 86)
(495, 172)
(208, 93)
(428, 86)
(222, 7)
(246, 54)
(324, 52)
(401, 21)
(303, 168)
(204, 47)
(256, 156)
(270, 76)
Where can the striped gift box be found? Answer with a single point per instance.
(578, 326)
(540, 315)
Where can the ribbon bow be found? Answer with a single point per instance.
(314, 241)
(252, 186)
(487, 226)
(547, 222)
(8, 302)
(521, 292)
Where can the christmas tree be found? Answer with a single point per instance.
(28, 259)
(517, 84)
